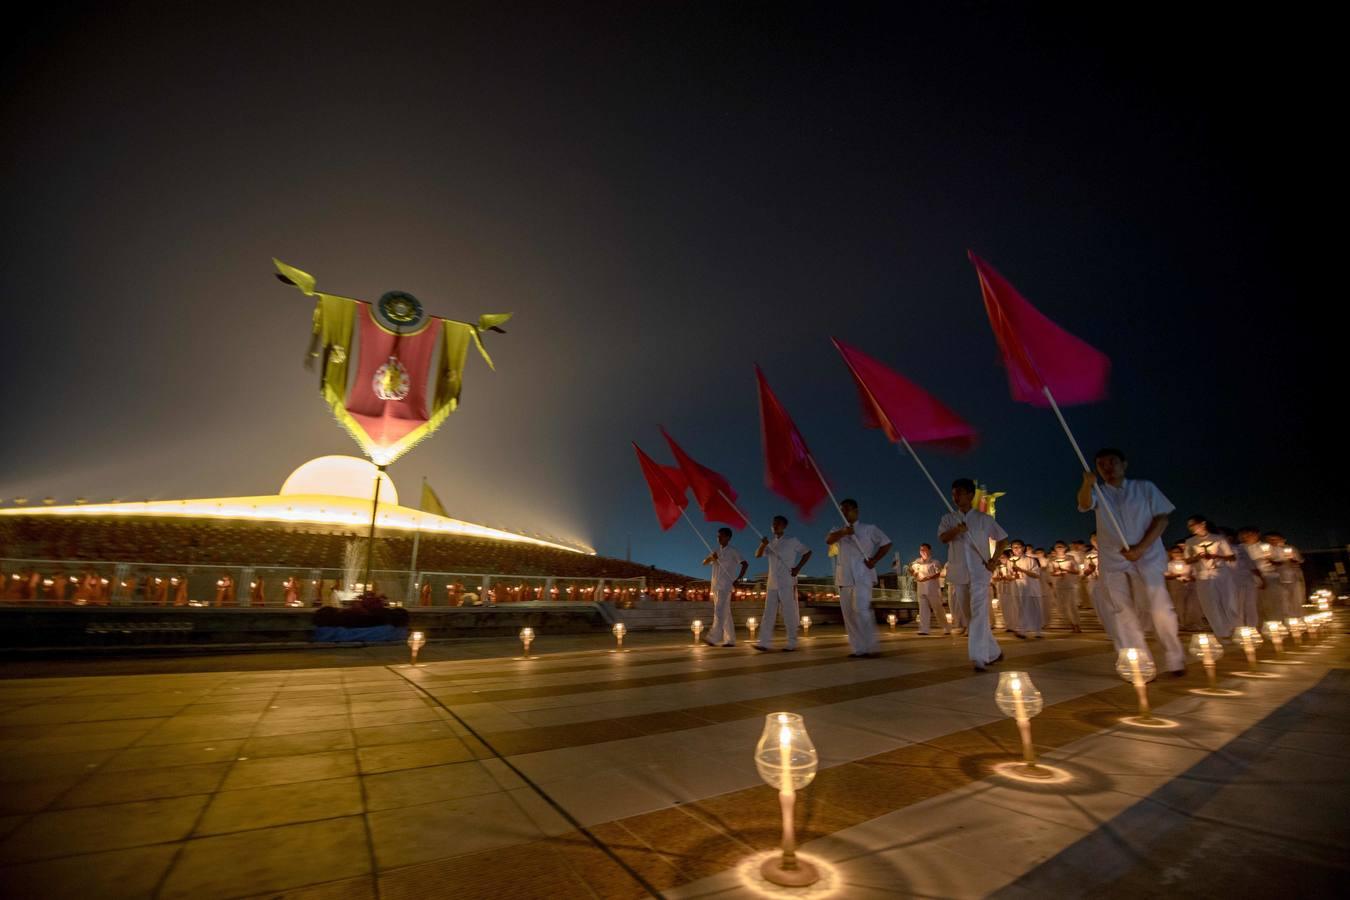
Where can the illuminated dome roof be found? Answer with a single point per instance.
(341, 476)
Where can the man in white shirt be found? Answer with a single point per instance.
(969, 533)
(786, 557)
(728, 567)
(861, 547)
(926, 572)
(1211, 558)
(1139, 510)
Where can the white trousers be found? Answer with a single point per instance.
(855, 602)
(930, 607)
(1029, 613)
(960, 606)
(1106, 613)
(723, 630)
(1128, 591)
(981, 645)
(1291, 599)
(1010, 598)
(1066, 598)
(1244, 599)
(1216, 599)
(784, 598)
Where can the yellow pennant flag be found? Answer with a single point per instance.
(430, 502)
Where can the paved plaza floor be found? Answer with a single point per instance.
(585, 773)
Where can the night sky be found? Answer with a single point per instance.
(665, 194)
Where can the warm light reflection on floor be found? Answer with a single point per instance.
(830, 883)
(1216, 692)
(1041, 774)
(1285, 662)
(1149, 722)
(1256, 674)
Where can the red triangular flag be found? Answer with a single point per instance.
(1036, 352)
(709, 488)
(787, 461)
(668, 487)
(901, 408)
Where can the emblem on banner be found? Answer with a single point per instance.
(400, 313)
(391, 381)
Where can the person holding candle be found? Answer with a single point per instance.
(1288, 564)
(1105, 614)
(1006, 586)
(1064, 578)
(725, 561)
(1029, 621)
(1046, 594)
(1212, 557)
(786, 557)
(969, 535)
(1132, 514)
(1181, 588)
(1268, 601)
(1078, 550)
(861, 547)
(1247, 582)
(926, 572)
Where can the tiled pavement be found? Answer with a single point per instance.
(596, 774)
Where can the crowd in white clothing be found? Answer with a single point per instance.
(1217, 580)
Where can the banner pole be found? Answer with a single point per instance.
(1101, 495)
(374, 511)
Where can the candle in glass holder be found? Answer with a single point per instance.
(891, 619)
(696, 627)
(527, 638)
(1295, 627)
(1274, 630)
(750, 624)
(806, 626)
(1138, 668)
(416, 641)
(1249, 638)
(786, 759)
(619, 630)
(1019, 699)
(1206, 648)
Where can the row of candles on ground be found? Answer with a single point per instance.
(786, 758)
(1203, 647)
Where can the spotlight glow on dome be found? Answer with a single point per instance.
(340, 476)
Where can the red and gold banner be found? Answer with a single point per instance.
(408, 371)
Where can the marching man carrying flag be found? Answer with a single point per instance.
(1048, 366)
(725, 561)
(968, 532)
(786, 556)
(861, 547)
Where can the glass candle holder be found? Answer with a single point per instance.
(416, 641)
(1206, 648)
(526, 639)
(787, 760)
(1018, 698)
(1138, 668)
